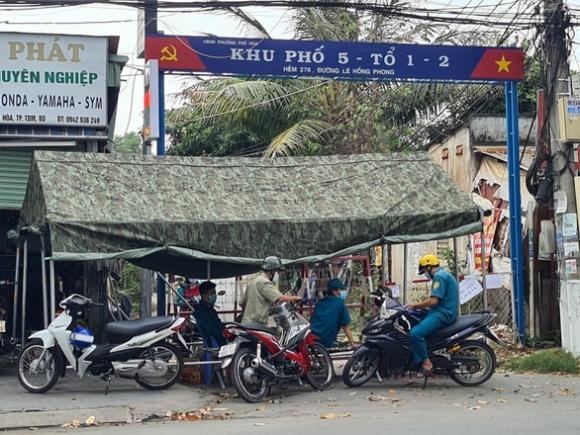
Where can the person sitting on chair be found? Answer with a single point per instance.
(331, 314)
(208, 321)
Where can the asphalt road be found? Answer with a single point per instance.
(513, 404)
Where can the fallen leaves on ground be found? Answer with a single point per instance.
(207, 413)
(74, 424)
(531, 399)
(332, 416)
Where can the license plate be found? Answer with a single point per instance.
(2, 325)
(227, 350)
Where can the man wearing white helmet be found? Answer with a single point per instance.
(261, 293)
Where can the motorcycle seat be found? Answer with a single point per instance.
(254, 327)
(131, 328)
(462, 322)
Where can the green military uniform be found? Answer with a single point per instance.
(261, 293)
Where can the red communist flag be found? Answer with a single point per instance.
(501, 64)
(173, 53)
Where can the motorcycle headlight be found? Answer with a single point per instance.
(387, 313)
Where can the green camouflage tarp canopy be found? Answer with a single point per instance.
(175, 214)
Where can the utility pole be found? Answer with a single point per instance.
(557, 76)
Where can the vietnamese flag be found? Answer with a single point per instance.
(174, 53)
(500, 64)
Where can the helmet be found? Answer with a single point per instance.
(335, 284)
(272, 263)
(427, 260)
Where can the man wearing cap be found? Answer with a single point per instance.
(261, 293)
(207, 317)
(331, 314)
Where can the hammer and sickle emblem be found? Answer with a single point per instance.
(169, 53)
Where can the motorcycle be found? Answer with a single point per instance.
(386, 349)
(259, 359)
(137, 349)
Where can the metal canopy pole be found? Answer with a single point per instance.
(405, 275)
(24, 273)
(484, 268)
(516, 243)
(44, 286)
(16, 283)
(456, 265)
(52, 291)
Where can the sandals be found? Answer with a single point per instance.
(423, 373)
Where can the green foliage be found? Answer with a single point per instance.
(449, 256)
(130, 143)
(304, 117)
(130, 285)
(546, 361)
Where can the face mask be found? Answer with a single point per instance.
(428, 275)
(343, 294)
(275, 278)
(212, 299)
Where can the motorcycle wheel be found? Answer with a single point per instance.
(171, 356)
(321, 371)
(249, 382)
(38, 368)
(359, 369)
(487, 364)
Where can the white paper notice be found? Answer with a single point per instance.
(493, 281)
(571, 248)
(570, 225)
(561, 201)
(468, 289)
(395, 290)
(571, 267)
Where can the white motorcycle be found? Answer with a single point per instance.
(137, 349)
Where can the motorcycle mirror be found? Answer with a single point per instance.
(221, 292)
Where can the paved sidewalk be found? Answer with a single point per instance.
(126, 401)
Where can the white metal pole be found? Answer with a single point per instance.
(52, 291)
(44, 286)
(16, 284)
(24, 273)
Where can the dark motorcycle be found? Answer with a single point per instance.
(386, 349)
(260, 357)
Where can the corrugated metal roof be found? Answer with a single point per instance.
(500, 153)
(14, 171)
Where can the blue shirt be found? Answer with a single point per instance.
(209, 323)
(445, 288)
(329, 316)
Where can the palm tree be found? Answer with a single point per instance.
(290, 117)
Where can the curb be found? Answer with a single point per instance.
(16, 420)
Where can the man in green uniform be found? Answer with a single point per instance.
(261, 293)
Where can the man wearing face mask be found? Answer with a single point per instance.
(443, 304)
(331, 314)
(207, 318)
(262, 292)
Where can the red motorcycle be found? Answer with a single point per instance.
(258, 358)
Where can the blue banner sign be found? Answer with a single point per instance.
(334, 59)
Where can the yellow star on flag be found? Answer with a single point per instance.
(503, 64)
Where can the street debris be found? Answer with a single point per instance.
(531, 399)
(207, 413)
(332, 415)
